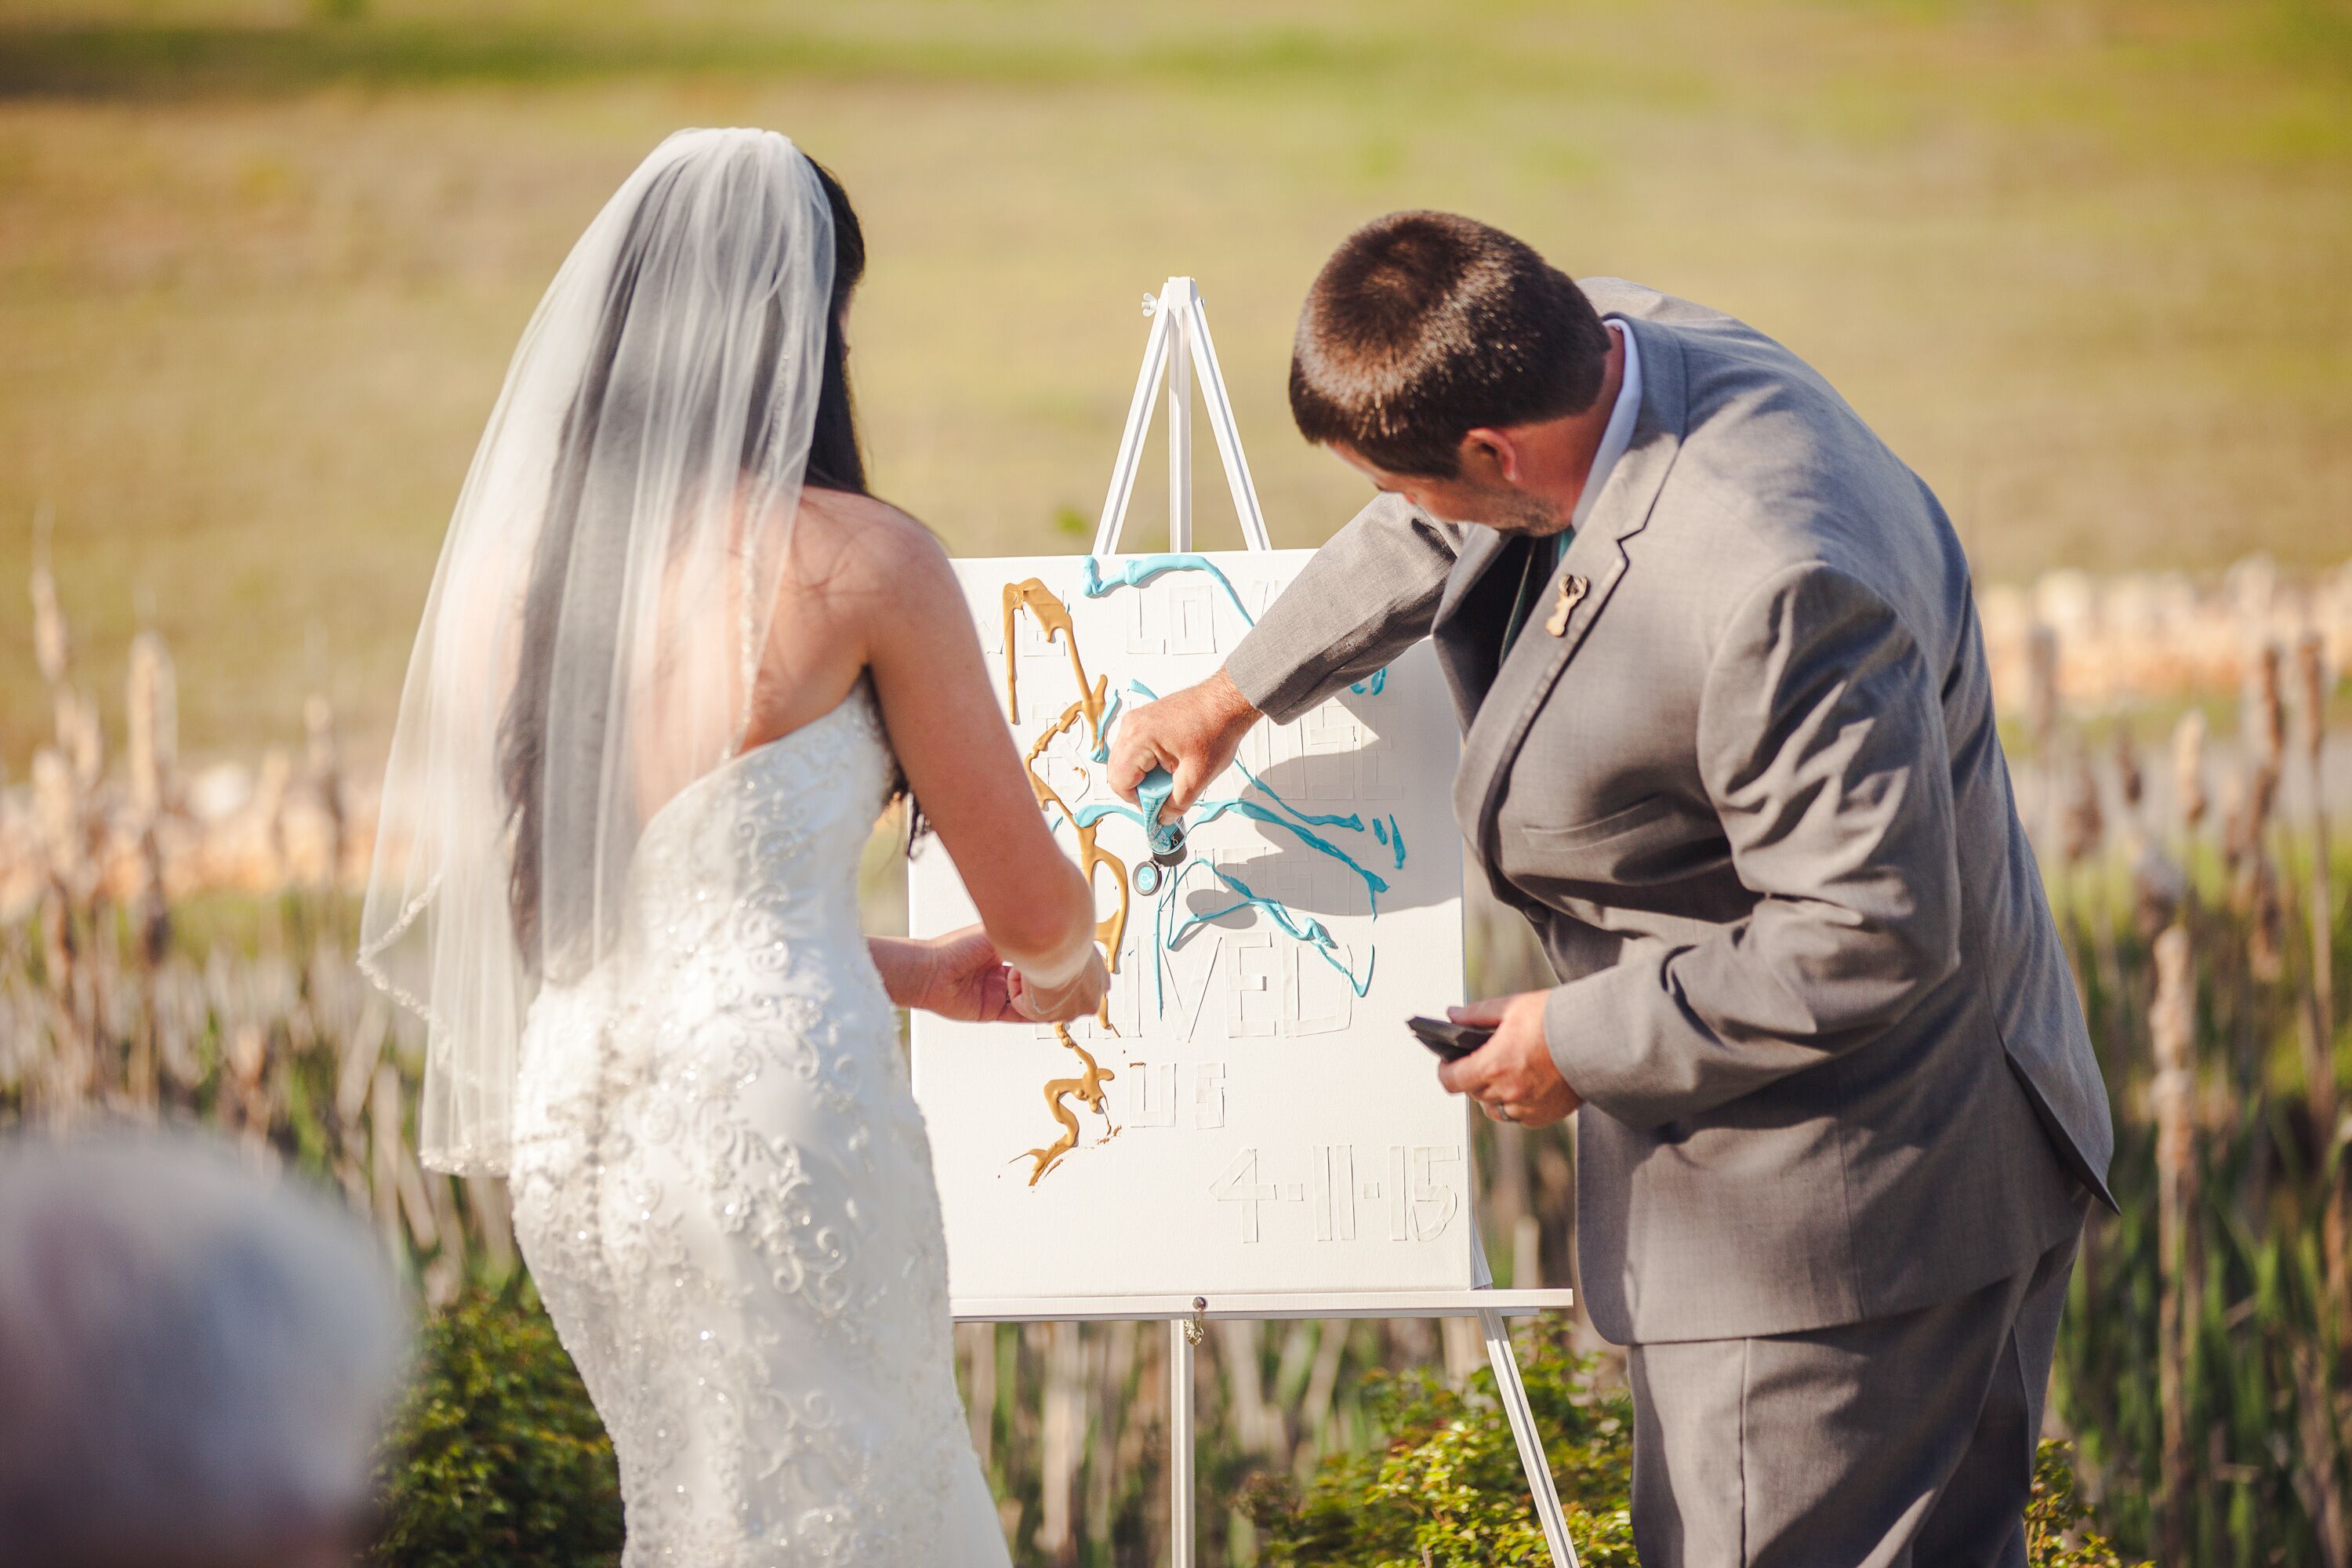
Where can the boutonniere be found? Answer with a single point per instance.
(1572, 589)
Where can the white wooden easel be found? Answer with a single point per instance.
(1178, 348)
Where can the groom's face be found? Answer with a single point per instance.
(1484, 489)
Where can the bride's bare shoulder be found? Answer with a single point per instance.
(859, 543)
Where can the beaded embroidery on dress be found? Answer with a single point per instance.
(724, 1190)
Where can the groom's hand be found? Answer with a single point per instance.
(1193, 734)
(1512, 1076)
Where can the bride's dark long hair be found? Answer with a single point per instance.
(836, 461)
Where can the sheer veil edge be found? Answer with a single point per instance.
(641, 470)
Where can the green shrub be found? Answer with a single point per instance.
(496, 1458)
(1447, 1490)
(2058, 1532)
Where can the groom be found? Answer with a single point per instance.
(1729, 746)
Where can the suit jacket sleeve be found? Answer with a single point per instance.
(1822, 745)
(1367, 597)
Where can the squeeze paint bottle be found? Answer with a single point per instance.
(1166, 839)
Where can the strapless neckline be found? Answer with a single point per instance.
(859, 701)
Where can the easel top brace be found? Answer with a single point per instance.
(1178, 348)
(1266, 1306)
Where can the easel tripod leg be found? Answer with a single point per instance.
(1179, 429)
(1179, 1445)
(1513, 1393)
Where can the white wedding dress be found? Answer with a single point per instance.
(723, 1188)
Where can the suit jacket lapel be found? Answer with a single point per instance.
(1532, 666)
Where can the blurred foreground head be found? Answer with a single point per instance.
(192, 1359)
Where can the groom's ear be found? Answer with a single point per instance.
(1487, 456)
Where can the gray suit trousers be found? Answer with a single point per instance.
(1897, 1442)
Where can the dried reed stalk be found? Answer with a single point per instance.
(1063, 1422)
(383, 1156)
(2131, 781)
(323, 764)
(52, 648)
(2321, 1427)
(2082, 833)
(1463, 1347)
(1510, 1206)
(2265, 711)
(1143, 1429)
(83, 739)
(2042, 711)
(2082, 824)
(1116, 1409)
(1257, 1424)
(2172, 1027)
(152, 717)
(2256, 961)
(150, 714)
(2236, 824)
(2160, 889)
(2041, 697)
(269, 810)
(444, 1274)
(2188, 796)
(2313, 681)
(487, 1200)
(1322, 1381)
(979, 1347)
(2265, 720)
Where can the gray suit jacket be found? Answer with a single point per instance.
(1753, 800)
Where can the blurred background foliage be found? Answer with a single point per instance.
(262, 262)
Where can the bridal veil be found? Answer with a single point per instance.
(602, 598)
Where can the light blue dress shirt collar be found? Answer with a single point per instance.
(1617, 434)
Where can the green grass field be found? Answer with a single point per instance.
(261, 266)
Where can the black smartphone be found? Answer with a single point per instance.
(1451, 1041)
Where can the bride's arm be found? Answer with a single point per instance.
(941, 710)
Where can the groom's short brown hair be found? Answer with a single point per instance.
(1426, 325)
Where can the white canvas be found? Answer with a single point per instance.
(1265, 1127)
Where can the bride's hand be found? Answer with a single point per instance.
(1075, 999)
(968, 980)
(958, 975)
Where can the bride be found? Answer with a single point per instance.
(675, 662)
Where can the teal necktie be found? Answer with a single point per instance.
(1541, 561)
